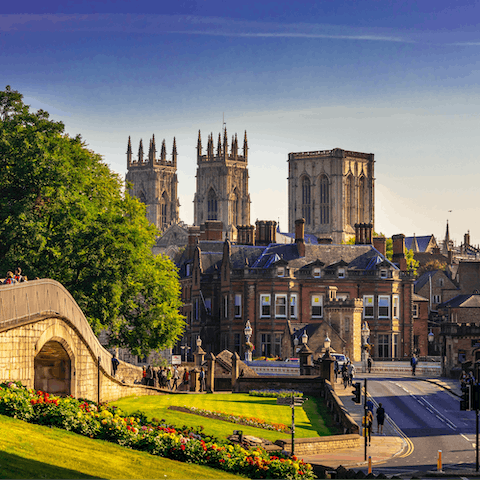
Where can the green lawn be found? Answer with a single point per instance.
(33, 451)
(311, 420)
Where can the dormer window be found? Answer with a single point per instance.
(280, 271)
(316, 272)
(383, 273)
(341, 273)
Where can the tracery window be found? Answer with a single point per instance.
(211, 205)
(361, 200)
(306, 201)
(324, 200)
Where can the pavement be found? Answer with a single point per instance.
(383, 447)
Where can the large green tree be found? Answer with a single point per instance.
(65, 215)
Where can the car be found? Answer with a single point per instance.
(340, 358)
(293, 360)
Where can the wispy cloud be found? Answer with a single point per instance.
(188, 25)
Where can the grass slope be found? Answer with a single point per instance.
(33, 451)
(310, 421)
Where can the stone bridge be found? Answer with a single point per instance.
(47, 344)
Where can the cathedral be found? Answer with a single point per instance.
(333, 190)
(154, 182)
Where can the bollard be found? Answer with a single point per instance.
(439, 461)
(369, 464)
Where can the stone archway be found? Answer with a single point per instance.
(53, 369)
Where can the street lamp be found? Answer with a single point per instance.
(199, 342)
(248, 346)
(326, 344)
(185, 349)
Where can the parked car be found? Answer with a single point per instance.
(293, 360)
(340, 358)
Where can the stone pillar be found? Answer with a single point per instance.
(199, 356)
(195, 380)
(235, 365)
(306, 363)
(327, 368)
(210, 380)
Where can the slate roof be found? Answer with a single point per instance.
(419, 298)
(422, 242)
(423, 279)
(462, 301)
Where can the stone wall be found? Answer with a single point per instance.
(319, 445)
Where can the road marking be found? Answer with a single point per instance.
(466, 438)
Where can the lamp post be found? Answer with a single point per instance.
(326, 345)
(248, 344)
(185, 349)
(365, 337)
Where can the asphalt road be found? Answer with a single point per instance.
(430, 419)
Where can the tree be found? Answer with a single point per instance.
(432, 265)
(64, 215)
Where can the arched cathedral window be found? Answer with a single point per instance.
(211, 205)
(235, 214)
(306, 202)
(361, 200)
(348, 199)
(324, 203)
(163, 209)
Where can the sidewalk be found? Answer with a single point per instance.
(393, 443)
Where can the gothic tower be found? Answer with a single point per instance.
(332, 190)
(222, 183)
(154, 182)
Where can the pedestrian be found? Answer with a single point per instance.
(335, 369)
(368, 426)
(10, 279)
(370, 405)
(176, 376)
(115, 364)
(345, 376)
(369, 364)
(380, 418)
(202, 380)
(413, 363)
(144, 375)
(186, 376)
(149, 376)
(162, 377)
(18, 275)
(351, 372)
(168, 377)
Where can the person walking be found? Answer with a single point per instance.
(380, 418)
(345, 376)
(202, 380)
(369, 364)
(368, 426)
(115, 364)
(351, 372)
(149, 376)
(413, 363)
(335, 369)
(186, 376)
(176, 376)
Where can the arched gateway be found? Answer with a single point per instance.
(53, 369)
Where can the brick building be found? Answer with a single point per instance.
(281, 288)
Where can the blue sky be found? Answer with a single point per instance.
(397, 79)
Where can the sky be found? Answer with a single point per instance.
(397, 79)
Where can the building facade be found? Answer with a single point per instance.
(281, 288)
(222, 183)
(332, 190)
(154, 182)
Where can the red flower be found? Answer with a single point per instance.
(183, 447)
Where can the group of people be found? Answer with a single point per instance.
(162, 377)
(369, 420)
(347, 371)
(12, 278)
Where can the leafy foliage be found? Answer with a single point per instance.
(64, 215)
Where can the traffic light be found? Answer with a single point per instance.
(466, 398)
(357, 391)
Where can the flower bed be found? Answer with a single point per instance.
(228, 417)
(275, 393)
(108, 423)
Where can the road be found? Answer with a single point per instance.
(430, 419)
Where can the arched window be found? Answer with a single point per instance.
(211, 205)
(235, 212)
(306, 200)
(361, 200)
(163, 209)
(348, 199)
(324, 200)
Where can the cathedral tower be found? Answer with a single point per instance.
(222, 183)
(154, 182)
(332, 190)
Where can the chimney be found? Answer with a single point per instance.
(193, 236)
(300, 236)
(245, 234)
(466, 239)
(399, 251)
(368, 233)
(266, 232)
(211, 230)
(450, 256)
(380, 243)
